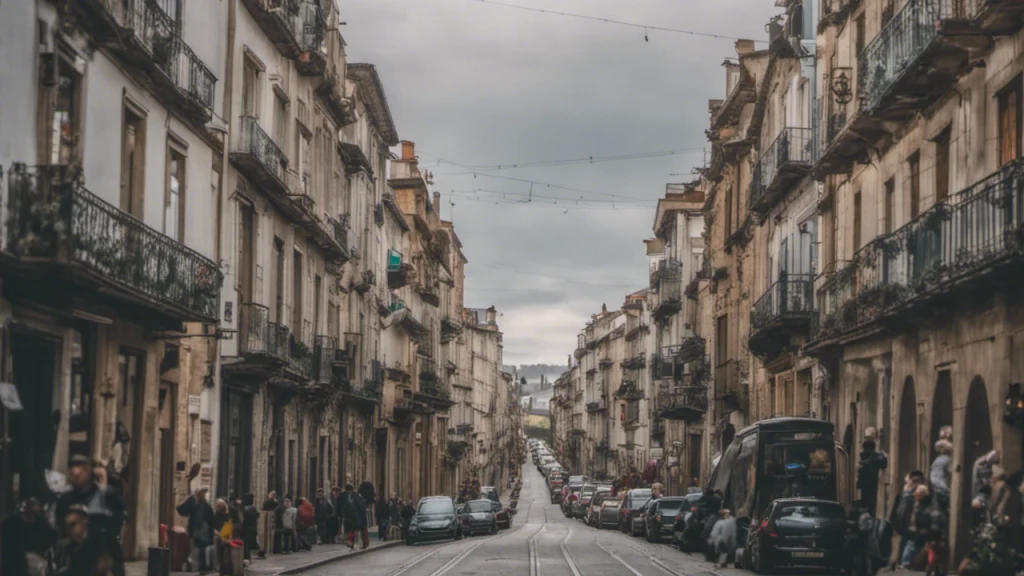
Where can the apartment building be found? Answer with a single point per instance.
(111, 154)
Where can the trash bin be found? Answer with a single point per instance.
(237, 551)
(180, 547)
(159, 562)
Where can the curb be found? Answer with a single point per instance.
(338, 558)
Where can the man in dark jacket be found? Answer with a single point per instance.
(104, 506)
(250, 526)
(871, 464)
(334, 525)
(25, 533)
(354, 517)
(408, 511)
(200, 528)
(324, 511)
(79, 553)
(369, 496)
(383, 512)
(900, 516)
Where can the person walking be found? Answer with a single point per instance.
(305, 524)
(324, 511)
(940, 475)
(289, 517)
(103, 505)
(871, 464)
(354, 517)
(408, 511)
(382, 512)
(723, 538)
(251, 522)
(369, 496)
(901, 521)
(78, 553)
(25, 538)
(268, 523)
(200, 527)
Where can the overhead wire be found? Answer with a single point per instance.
(587, 160)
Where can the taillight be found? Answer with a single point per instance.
(769, 528)
(679, 517)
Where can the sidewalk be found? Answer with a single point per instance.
(288, 563)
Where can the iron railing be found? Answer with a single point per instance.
(323, 358)
(253, 329)
(258, 144)
(682, 398)
(52, 215)
(791, 296)
(428, 372)
(900, 43)
(192, 77)
(311, 27)
(980, 227)
(279, 341)
(792, 148)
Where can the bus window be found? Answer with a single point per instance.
(724, 471)
(743, 476)
(796, 467)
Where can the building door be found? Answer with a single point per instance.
(382, 457)
(236, 444)
(246, 251)
(942, 410)
(167, 403)
(906, 456)
(977, 443)
(297, 303)
(33, 430)
(132, 378)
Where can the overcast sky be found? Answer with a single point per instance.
(480, 85)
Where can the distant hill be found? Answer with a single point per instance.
(534, 371)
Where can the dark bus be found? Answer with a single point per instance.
(777, 458)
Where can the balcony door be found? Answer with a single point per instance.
(133, 161)
(297, 295)
(246, 251)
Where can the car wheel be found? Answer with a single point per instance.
(458, 534)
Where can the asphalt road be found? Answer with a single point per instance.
(541, 542)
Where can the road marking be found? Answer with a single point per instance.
(405, 568)
(447, 567)
(532, 547)
(618, 559)
(568, 557)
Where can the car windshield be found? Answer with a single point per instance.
(670, 506)
(610, 504)
(478, 506)
(810, 510)
(436, 507)
(799, 469)
(588, 490)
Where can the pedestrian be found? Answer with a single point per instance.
(941, 473)
(223, 526)
(383, 514)
(324, 512)
(872, 462)
(335, 523)
(289, 517)
(369, 496)
(25, 538)
(723, 538)
(932, 526)
(305, 524)
(201, 527)
(407, 515)
(1007, 510)
(117, 464)
(101, 503)
(395, 512)
(78, 553)
(657, 490)
(250, 527)
(268, 523)
(900, 518)
(354, 518)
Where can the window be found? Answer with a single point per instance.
(317, 296)
(250, 89)
(860, 34)
(66, 115)
(942, 165)
(133, 162)
(174, 200)
(722, 336)
(246, 251)
(1009, 121)
(279, 265)
(280, 119)
(914, 166)
(856, 221)
(743, 477)
(728, 212)
(297, 308)
(890, 205)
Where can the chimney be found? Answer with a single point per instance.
(492, 315)
(604, 308)
(409, 149)
(744, 47)
(437, 203)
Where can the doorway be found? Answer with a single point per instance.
(942, 410)
(131, 384)
(33, 430)
(167, 404)
(977, 442)
(236, 446)
(906, 456)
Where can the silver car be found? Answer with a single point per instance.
(609, 515)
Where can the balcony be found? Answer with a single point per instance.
(302, 361)
(60, 232)
(786, 161)
(435, 395)
(148, 39)
(967, 244)
(605, 363)
(262, 344)
(428, 371)
(637, 362)
(341, 108)
(324, 350)
(365, 396)
(296, 27)
(450, 328)
(310, 32)
(597, 406)
(917, 57)
(785, 309)
(259, 159)
(400, 273)
(667, 281)
(730, 389)
(629, 391)
(687, 403)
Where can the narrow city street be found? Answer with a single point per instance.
(541, 542)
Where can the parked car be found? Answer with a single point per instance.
(478, 517)
(579, 507)
(435, 519)
(633, 502)
(490, 493)
(572, 494)
(593, 517)
(661, 517)
(689, 529)
(609, 513)
(502, 515)
(797, 532)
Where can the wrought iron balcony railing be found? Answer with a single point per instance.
(323, 358)
(789, 298)
(895, 51)
(428, 371)
(628, 390)
(302, 360)
(51, 215)
(784, 163)
(658, 427)
(310, 31)
(596, 406)
(681, 402)
(964, 238)
(260, 160)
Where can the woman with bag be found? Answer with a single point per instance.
(200, 528)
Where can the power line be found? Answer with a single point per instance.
(587, 160)
(567, 201)
(645, 27)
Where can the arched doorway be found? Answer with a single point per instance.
(942, 410)
(906, 455)
(977, 433)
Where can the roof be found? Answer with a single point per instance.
(372, 91)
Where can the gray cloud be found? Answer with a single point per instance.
(481, 84)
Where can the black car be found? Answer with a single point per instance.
(478, 517)
(435, 519)
(661, 517)
(503, 516)
(633, 503)
(696, 514)
(797, 532)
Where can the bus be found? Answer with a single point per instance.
(778, 458)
